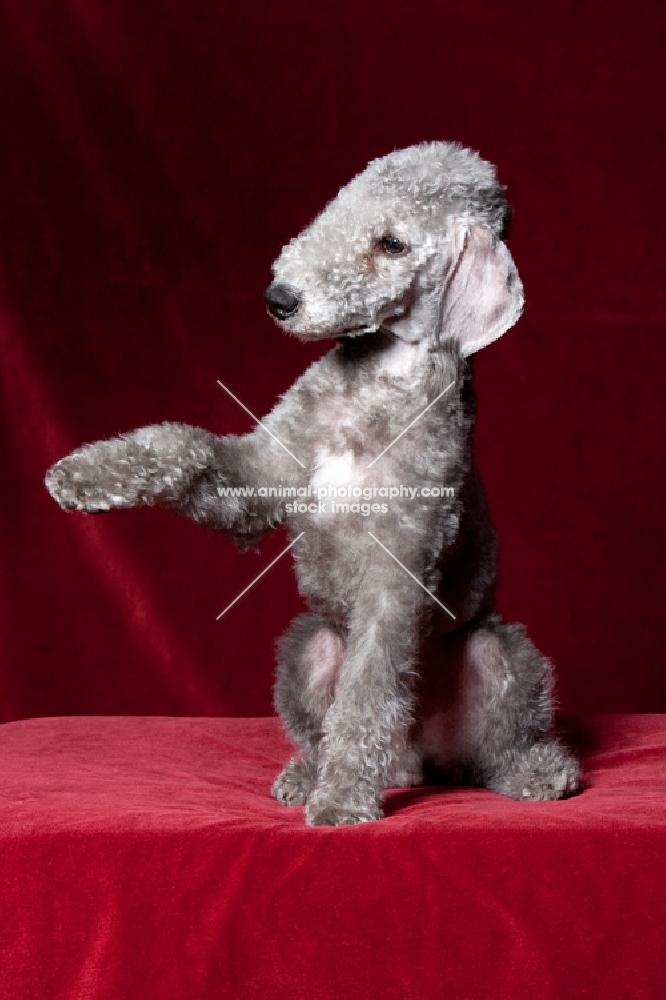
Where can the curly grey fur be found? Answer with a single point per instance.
(406, 268)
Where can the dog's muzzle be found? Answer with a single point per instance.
(281, 300)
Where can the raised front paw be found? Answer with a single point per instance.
(293, 786)
(88, 480)
(323, 809)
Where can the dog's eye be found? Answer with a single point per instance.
(393, 246)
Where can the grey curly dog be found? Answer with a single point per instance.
(402, 661)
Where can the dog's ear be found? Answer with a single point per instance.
(484, 295)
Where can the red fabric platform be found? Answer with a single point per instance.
(144, 858)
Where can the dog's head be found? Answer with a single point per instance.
(413, 245)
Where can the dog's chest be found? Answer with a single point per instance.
(352, 430)
(338, 471)
(359, 414)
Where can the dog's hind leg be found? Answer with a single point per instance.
(507, 705)
(310, 656)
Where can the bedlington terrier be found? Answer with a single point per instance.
(402, 660)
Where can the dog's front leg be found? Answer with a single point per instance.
(365, 728)
(152, 465)
(212, 480)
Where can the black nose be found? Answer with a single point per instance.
(281, 300)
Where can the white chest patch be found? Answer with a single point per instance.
(335, 470)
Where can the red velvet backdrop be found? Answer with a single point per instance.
(154, 157)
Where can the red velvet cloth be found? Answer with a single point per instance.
(155, 156)
(145, 858)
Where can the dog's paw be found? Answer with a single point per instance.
(294, 785)
(321, 811)
(542, 773)
(85, 481)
